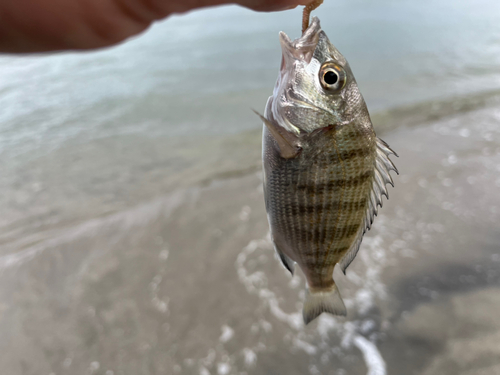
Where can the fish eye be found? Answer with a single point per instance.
(332, 77)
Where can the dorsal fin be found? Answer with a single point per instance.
(381, 177)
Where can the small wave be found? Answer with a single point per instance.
(351, 333)
(425, 112)
(119, 223)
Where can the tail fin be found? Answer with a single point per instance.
(323, 301)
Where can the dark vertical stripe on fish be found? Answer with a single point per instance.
(351, 206)
(347, 155)
(322, 187)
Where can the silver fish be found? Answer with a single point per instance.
(325, 171)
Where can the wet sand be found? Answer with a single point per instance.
(188, 282)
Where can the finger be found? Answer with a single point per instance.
(50, 25)
(270, 6)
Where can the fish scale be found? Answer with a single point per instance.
(304, 207)
(324, 168)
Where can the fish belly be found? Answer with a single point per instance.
(316, 202)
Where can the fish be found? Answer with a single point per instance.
(325, 170)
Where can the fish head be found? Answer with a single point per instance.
(315, 86)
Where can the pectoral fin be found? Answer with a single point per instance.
(288, 143)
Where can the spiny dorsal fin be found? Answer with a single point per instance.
(381, 177)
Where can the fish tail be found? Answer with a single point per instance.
(318, 302)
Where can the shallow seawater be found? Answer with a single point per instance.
(134, 238)
(87, 134)
(189, 283)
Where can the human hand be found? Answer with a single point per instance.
(51, 25)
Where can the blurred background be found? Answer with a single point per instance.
(133, 235)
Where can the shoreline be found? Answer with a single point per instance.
(202, 161)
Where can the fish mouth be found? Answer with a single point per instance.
(301, 48)
(296, 54)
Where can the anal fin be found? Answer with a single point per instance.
(351, 253)
(287, 262)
